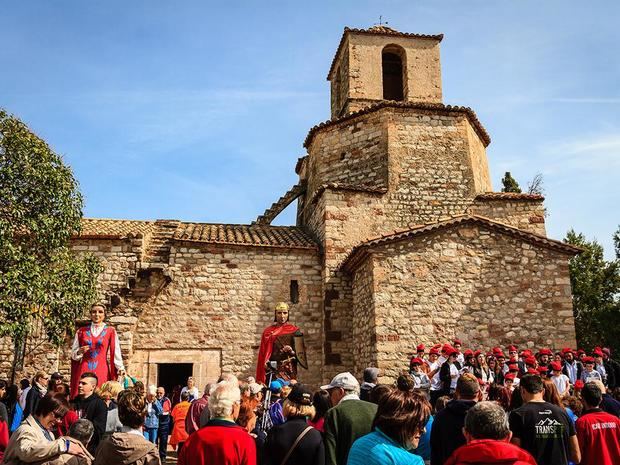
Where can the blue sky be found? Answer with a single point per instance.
(195, 110)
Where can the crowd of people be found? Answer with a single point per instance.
(451, 407)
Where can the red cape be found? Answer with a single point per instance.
(266, 345)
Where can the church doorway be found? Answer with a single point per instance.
(170, 375)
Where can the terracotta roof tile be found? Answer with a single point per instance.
(361, 251)
(242, 234)
(377, 30)
(509, 196)
(114, 229)
(346, 187)
(473, 119)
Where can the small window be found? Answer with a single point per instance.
(294, 291)
(392, 66)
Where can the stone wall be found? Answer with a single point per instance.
(470, 282)
(527, 215)
(364, 333)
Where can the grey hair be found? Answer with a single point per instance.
(355, 390)
(82, 430)
(371, 374)
(152, 389)
(223, 397)
(487, 420)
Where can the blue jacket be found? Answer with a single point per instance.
(152, 417)
(377, 449)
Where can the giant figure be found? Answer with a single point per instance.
(95, 349)
(282, 343)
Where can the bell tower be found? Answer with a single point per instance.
(381, 63)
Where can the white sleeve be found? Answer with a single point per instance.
(75, 347)
(118, 357)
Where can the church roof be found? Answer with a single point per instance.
(473, 119)
(208, 233)
(361, 251)
(517, 196)
(377, 30)
(242, 234)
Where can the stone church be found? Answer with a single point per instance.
(400, 240)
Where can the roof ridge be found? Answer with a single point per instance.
(352, 257)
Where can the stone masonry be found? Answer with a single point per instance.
(399, 240)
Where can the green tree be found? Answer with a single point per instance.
(42, 283)
(596, 294)
(510, 184)
(617, 243)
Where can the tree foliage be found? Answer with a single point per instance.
(41, 281)
(510, 184)
(596, 294)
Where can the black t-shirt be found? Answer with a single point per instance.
(543, 429)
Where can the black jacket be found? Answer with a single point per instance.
(616, 369)
(94, 409)
(32, 399)
(445, 377)
(610, 405)
(447, 431)
(309, 451)
(612, 382)
(579, 369)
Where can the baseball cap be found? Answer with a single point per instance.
(300, 394)
(255, 388)
(342, 380)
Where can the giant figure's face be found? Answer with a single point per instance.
(281, 316)
(97, 314)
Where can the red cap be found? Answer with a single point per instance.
(530, 361)
(420, 348)
(527, 353)
(433, 351)
(579, 384)
(513, 367)
(512, 348)
(457, 341)
(567, 350)
(417, 361)
(543, 370)
(532, 371)
(451, 351)
(555, 366)
(476, 353)
(588, 360)
(511, 376)
(496, 350)
(468, 353)
(580, 351)
(597, 352)
(545, 351)
(446, 347)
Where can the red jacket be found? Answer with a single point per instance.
(490, 452)
(220, 442)
(598, 434)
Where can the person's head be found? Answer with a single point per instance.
(402, 416)
(588, 363)
(224, 400)
(486, 420)
(591, 395)
(110, 390)
(299, 403)
(531, 387)
(82, 430)
(190, 382)
(482, 362)
(97, 313)
(138, 386)
(161, 392)
(573, 403)
(185, 396)
(50, 411)
(62, 388)
(569, 356)
(87, 384)
(24, 383)
(246, 418)
(321, 403)
(405, 382)
(513, 352)
(457, 344)
(377, 392)
(151, 392)
(441, 403)
(420, 350)
(11, 395)
(551, 393)
(433, 355)
(467, 387)
(341, 385)
(207, 390)
(281, 313)
(371, 375)
(131, 408)
(3, 388)
(509, 380)
(491, 362)
(41, 378)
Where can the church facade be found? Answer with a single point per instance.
(400, 240)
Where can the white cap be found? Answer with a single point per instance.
(345, 381)
(255, 388)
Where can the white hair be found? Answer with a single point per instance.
(152, 390)
(224, 395)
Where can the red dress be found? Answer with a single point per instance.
(99, 359)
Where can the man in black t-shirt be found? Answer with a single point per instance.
(541, 428)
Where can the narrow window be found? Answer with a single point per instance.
(392, 76)
(294, 291)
